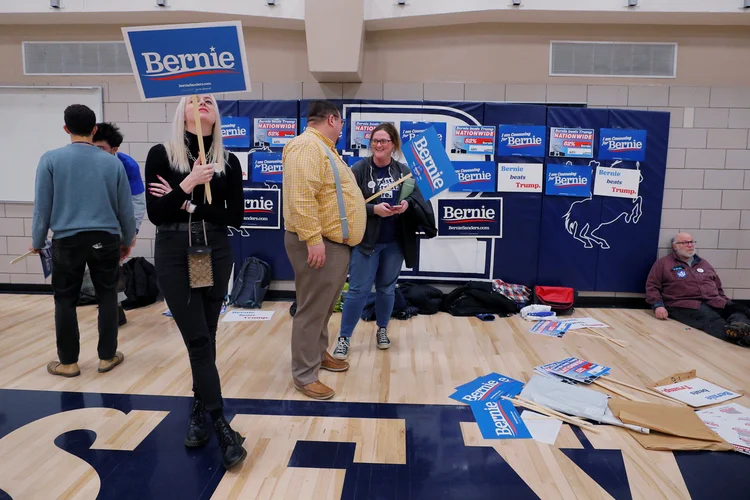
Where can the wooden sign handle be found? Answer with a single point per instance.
(388, 188)
(201, 147)
(21, 257)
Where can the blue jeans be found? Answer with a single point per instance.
(382, 268)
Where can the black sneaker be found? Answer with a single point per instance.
(197, 434)
(383, 340)
(342, 348)
(230, 443)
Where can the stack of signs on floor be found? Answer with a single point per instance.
(550, 328)
(573, 369)
(731, 422)
(497, 418)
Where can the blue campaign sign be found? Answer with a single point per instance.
(622, 144)
(571, 142)
(409, 130)
(262, 208)
(470, 217)
(488, 388)
(475, 176)
(266, 167)
(568, 180)
(235, 131)
(521, 140)
(185, 59)
(429, 163)
(499, 420)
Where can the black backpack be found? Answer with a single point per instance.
(478, 298)
(141, 285)
(251, 284)
(426, 298)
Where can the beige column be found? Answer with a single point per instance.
(335, 31)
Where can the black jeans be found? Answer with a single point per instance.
(101, 251)
(711, 320)
(195, 310)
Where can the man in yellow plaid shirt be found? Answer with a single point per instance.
(315, 242)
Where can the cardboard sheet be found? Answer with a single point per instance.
(672, 428)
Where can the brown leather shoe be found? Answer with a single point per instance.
(106, 365)
(334, 365)
(57, 368)
(316, 390)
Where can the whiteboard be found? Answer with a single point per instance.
(31, 123)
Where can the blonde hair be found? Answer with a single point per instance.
(176, 146)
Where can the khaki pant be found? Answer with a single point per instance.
(317, 291)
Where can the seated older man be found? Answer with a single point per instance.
(686, 288)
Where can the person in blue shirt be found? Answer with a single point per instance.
(82, 194)
(109, 138)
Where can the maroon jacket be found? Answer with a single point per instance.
(673, 283)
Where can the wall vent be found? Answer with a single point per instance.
(613, 59)
(76, 58)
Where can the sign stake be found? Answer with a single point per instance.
(388, 188)
(201, 146)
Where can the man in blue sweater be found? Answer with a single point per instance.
(83, 195)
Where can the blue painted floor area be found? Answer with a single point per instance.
(438, 464)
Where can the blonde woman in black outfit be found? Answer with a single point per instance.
(176, 205)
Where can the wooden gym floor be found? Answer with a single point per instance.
(409, 441)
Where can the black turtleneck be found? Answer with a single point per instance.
(227, 207)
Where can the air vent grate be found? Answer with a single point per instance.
(613, 59)
(76, 58)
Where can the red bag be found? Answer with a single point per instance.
(561, 299)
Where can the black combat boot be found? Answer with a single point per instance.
(230, 443)
(198, 432)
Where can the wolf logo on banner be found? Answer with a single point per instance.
(580, 229)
